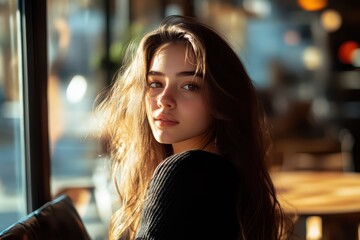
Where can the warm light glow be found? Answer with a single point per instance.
(313, 228)
(331, 20)
(312, 5)
(76, 89)
(346, 51)
(292, 38)
(312, 58)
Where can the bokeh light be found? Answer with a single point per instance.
(259, 7)
(346, 51)
(313, 228)
(292, 38)
(76, 89)
(312, 5)
(355, 58)
(312, 58)
(331, 20)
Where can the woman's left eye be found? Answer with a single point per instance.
(191, 87)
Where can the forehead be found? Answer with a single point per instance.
(173, 55)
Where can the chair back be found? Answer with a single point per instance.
(55, 220)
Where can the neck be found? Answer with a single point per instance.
(196, 143)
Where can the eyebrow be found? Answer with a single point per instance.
(179, 74)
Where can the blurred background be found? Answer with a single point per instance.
(303, 56)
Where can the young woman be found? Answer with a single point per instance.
(188, 141)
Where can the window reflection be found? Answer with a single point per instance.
(12, 189)
(76, 48)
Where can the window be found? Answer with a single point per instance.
(12, 178)
(76, 40)
(55, 57)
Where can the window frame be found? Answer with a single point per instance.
(34, 71)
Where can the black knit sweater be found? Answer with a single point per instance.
(192, 195)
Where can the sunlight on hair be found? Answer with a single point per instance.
(313, 228)
(76, 89)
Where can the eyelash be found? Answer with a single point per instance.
(192, 87)
(150, 84)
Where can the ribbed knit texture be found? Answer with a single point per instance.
(192, 195)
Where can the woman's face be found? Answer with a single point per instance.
(174, 101)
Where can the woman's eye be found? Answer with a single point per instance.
(155, 85)
(191, 87)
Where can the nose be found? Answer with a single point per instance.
(166, 99)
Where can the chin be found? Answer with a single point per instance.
(169, 140)
(163, 140)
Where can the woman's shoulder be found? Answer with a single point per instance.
(194, 157)
(189, 194)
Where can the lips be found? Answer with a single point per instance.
(164, 120)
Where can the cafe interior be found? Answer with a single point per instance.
(302, 55)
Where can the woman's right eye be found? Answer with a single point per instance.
(155, 85)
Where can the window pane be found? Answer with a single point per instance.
(12, 188)
(76, 48)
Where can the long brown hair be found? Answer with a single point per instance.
(239, 128)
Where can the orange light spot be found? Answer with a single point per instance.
(312, 5)
(346, 51)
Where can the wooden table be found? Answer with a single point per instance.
(334, 196)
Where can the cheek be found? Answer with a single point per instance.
(150, 103)
(196, 109)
